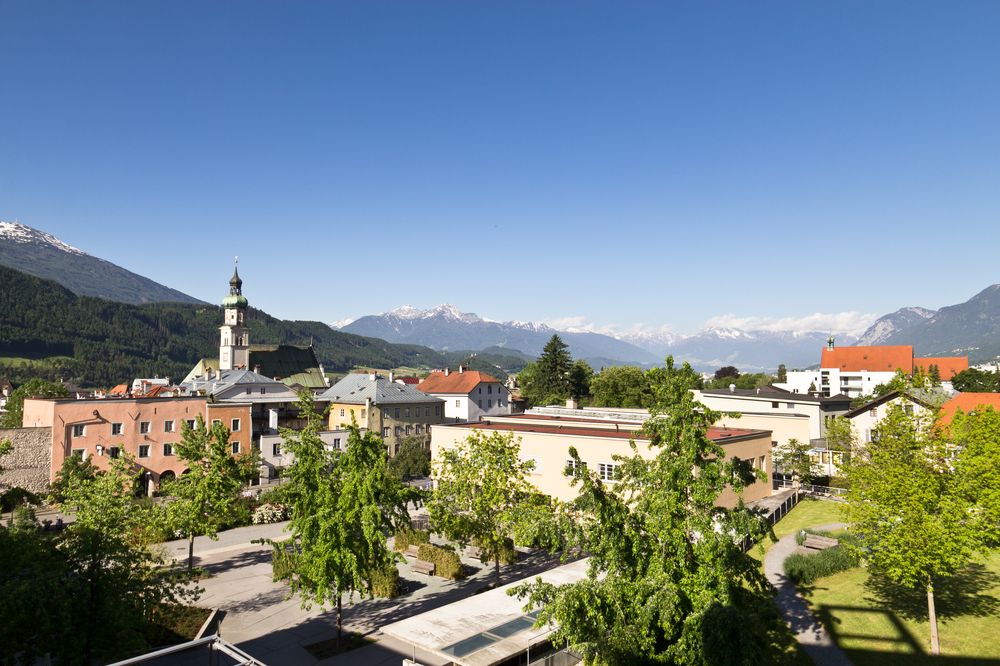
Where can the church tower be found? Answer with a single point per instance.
(234, 338)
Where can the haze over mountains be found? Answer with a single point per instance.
(971, 328)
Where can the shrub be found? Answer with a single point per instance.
(445, 560)
(508, 555)
(385, 584)
(283, 560)
(803, 568)
(269, 513)
(407, 537)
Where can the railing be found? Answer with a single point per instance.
(809, 489)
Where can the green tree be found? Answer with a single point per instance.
(976, 438)
(413, 459)
(549, 380)
(33, 388)
(580, 376)
(481, 486)
(621, 386)
(727, 372)
(793, 458)
(74, 470)
(117, 582)
(342, 503)
(975, 380)
(782, 376)
(668, 580)
(905, 507)
(205, 497)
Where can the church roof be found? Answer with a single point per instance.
(291, 365)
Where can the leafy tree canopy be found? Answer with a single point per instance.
(33, 388)
(975, 380)
(413, 459)
(554, 377)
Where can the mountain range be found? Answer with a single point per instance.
(45, 256)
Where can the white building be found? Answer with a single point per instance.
(854, 371)
(467, 394)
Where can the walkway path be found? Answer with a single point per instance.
(809, 631)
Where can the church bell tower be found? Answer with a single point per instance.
(234, 337)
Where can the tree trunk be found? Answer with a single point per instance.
(497, 569)
(340, 619)
(190, 551)
(932, 616)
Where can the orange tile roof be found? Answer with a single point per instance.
(948, 366)
(967, 402)
(883, 358)
(121, 389)
(456, 382)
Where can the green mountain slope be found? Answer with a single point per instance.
(47, 330)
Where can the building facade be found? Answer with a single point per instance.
(468, 395)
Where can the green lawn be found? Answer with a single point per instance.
(807, 513)
(878, 623)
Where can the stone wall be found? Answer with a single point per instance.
(28, 464)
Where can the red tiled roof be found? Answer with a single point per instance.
(883, 358)
(456, 382)
(967, 402)
(121, 389)
(412, 381)
(948, 366)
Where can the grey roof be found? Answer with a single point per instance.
(775, 393)
(355, 388)
(931, 398)
(227, 379)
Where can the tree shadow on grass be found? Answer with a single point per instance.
(955, 596)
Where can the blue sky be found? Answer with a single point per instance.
(603, 164)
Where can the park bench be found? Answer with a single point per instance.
(413, 551)
(420, 566)
(817, 542)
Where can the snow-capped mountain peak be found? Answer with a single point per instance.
(22, 233)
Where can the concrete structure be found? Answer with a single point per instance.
(484, 629)
(393, 410)
(854, 371)
(28, 463)
(546, 439)
(770, 401)
(145, 428)
(468, 394)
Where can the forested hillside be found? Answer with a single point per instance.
(47, 331)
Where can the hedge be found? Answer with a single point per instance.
(803, 568)
(407, 537)
(508, 555)
(385, 584)
(446, 562)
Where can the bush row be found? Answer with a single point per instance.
(445, 560)
(803, 568)
(385, 584)
(407, 537)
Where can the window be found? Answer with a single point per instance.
(437, 410)
(79, 453)
(168, 426)
(336, 443)
(78, 430)
(419, 428)
(873, 412)
(458, 403)
(398, 431)
(216, 422)
(144, 450)
(386, 430)
(489, 389)
(116, 428)
(191, 423)
(427, 410)
(775, 405)
(607, 471)
(499, 402)
(408, 430)
(114, 452)
(143, 427)
(341, 412)
(168, 449)
(236, 447)
(489, 403)
(480, 403)
(248, 390)
(276, 449)
(235, 425)
(574, 468)
(363, 415)
(790, 405)
(480, 389)
(396, 413)
(762, 463)
(263, 390)
(406, 413)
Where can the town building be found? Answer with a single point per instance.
(147, 429)
(294, 366)
(468, 394)
(546, 436)
(856, 371)
(380, 404)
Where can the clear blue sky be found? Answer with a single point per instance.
(618, 163)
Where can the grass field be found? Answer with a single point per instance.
(807, 513)
(877, 622)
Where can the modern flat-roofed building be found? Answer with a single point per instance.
(546, 438)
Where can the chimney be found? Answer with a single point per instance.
(256, 369)
(372, 376)
(571, 403)
(392, 376)
(447, 371)
(461, 369)
(732, 388)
